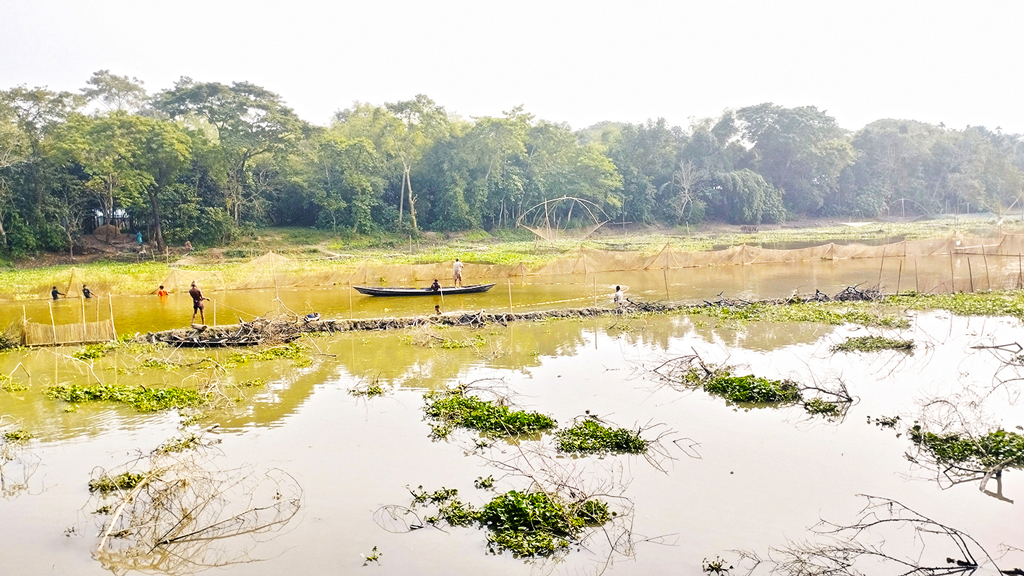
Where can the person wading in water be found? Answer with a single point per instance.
(197, 303)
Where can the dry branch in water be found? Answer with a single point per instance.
(887, 538)
(171, 512)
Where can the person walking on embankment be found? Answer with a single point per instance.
(457, 273)
(197, 303)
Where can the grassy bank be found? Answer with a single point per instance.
(321, 251)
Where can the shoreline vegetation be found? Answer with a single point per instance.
(321, 251)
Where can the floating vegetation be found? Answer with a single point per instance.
(482, 483)
(1003, 303)
(369, 391)
(17, 436)
(157, 364)
(588, 436)
(428, 337)
(885, 421)
(817, 406)
(253, 383)
(994, 450)
(373, 556)
(174, 445)
(123, 482)
(94, 351)
(139, 397)
(833, 313)
(747, 389)
(873, 344)
(454, 408)
(8, 384)
(527, 524)
(291, 351)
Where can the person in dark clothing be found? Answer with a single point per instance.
(436, 286)
(55, 293)
(197, 303)
(86, 293)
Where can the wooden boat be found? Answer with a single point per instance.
(447, 291)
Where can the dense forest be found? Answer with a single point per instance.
(205, 161)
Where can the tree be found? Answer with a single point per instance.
(801, 151)
(115, 92)
(422, 123)
(249, 122)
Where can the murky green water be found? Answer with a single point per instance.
(747, 479)
(149, 313)
(739, 479)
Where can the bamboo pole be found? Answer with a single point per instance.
(952, 278)
(988, 279)
(917, 279)
(113, 331)
(53, 324)
(1020, 271)
(970, 274)
(84, 335)
(665, 274)
(595, 291)
(24, 326)
(899, 276)
(350, 313)
(880, 266)
(510, 295)
(214, 311)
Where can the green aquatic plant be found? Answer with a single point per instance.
(369, 391)
(817, 406)
(290, 351)
(94, 351)
(998, 448)
(527, 524)
(1000, 303)
(748, 389)
(454, 408)
(253, 383)
(106, 484)
(141, 398)
(175, 445)
(872, 344)
(834, 313)
(8, 384)
(18, 436)
(590, 437)
(157, 364)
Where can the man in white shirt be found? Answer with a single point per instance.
(457, 273)
(619, 299)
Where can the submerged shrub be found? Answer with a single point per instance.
(997, 448)
(872, 344)
(141, 398)
(454, 409)
(819, 406)
(590, 437)
(107, 484)
(747, 389)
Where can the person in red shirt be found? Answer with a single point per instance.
(161, 292)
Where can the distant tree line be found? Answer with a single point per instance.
(205, 161)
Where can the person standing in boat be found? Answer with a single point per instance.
(457, 273)
(197, 303)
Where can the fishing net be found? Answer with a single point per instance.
(79, 333)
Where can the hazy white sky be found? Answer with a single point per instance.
(577, 62)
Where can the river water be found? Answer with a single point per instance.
(737, 478)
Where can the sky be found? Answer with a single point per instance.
(566, 61)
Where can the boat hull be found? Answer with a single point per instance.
(474, 289)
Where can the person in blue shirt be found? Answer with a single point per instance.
(54, 293)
